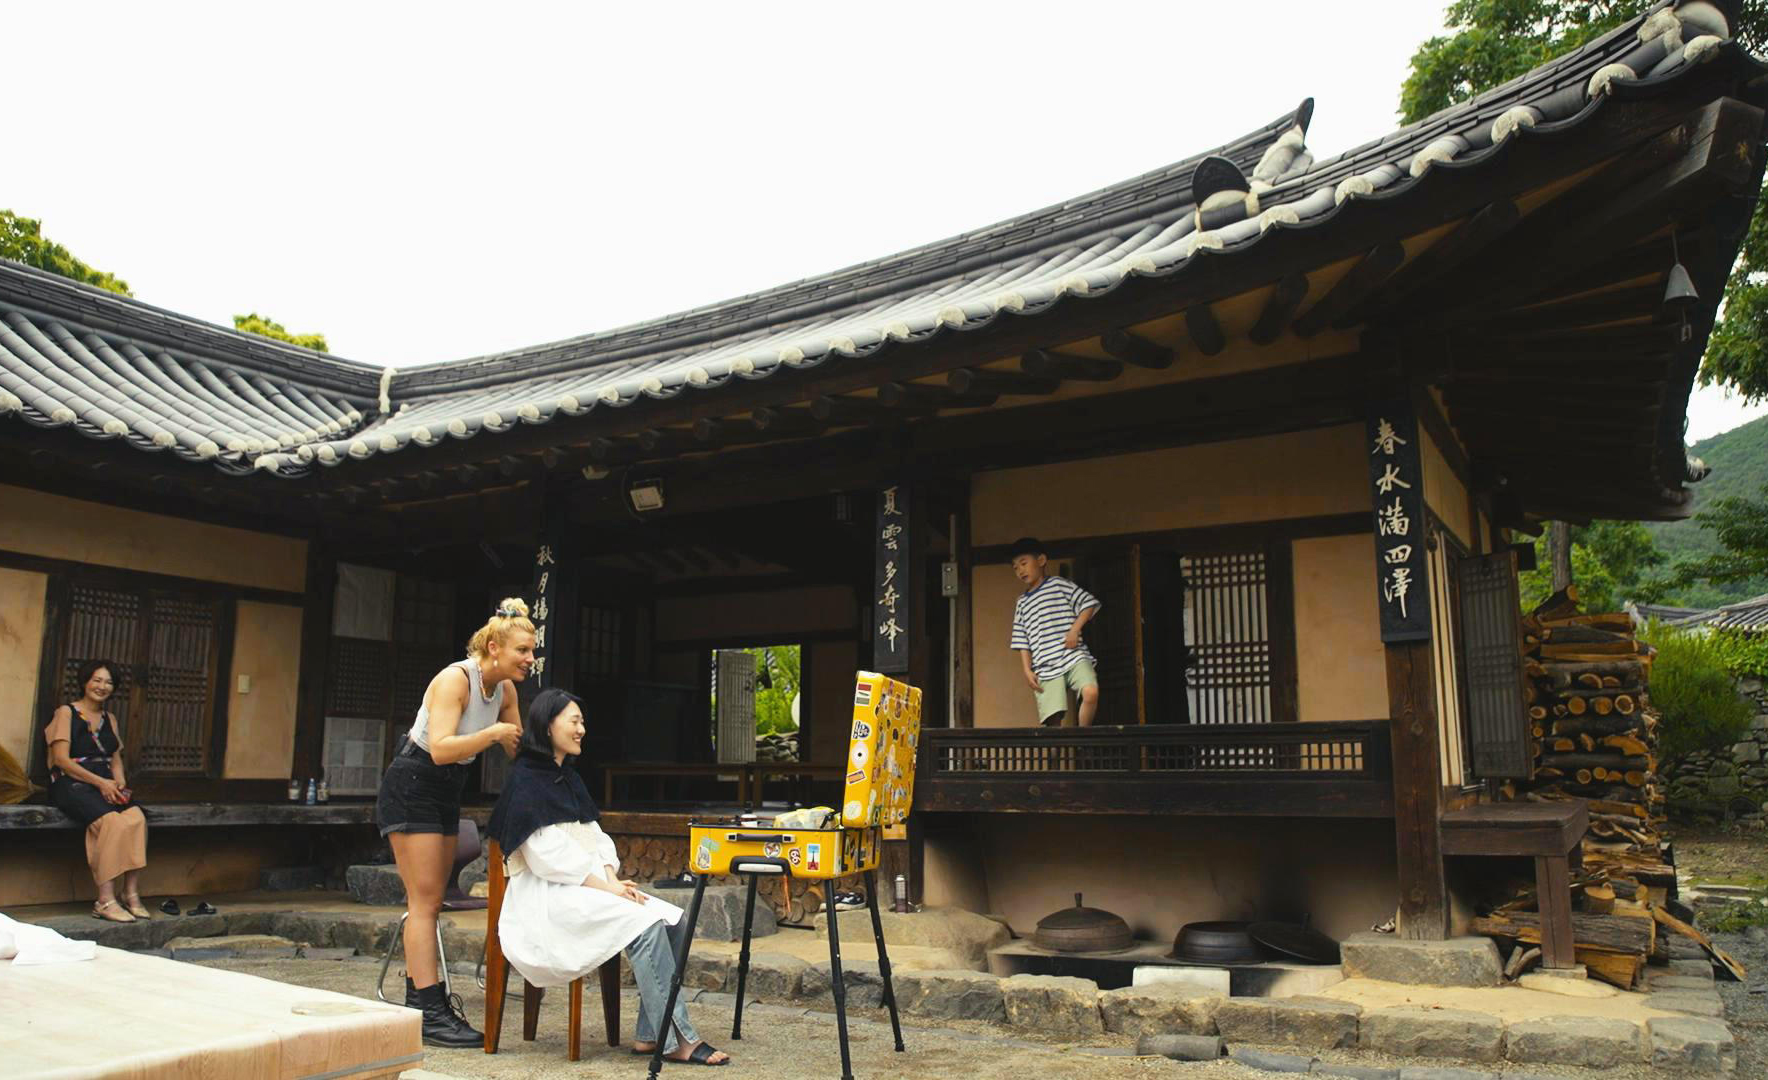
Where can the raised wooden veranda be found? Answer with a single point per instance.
(1341, 769)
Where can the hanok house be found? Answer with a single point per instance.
(1285, 416)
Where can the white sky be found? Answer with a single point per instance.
(435, 181)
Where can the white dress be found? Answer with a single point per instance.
(553, 927)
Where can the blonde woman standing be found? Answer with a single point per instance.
(86, 783)
(469, 707)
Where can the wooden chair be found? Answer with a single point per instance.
(497, 977)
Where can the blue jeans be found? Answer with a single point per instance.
(652, 955)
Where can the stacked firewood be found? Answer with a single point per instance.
(1594, 734)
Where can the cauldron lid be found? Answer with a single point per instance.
(1301, 942)
(1080, 918)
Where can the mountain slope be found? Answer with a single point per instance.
(1739, 459)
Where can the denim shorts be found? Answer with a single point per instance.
(419, 796)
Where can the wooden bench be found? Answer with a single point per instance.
(1548, 832)
(174, 815)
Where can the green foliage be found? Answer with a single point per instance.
(22, 240)
(1733, 918)
(778, 681)
(270, 328)
(1692, 685)
(1741, 527)
(773, 704)
(1611, 562)
(1739, 458)
(1743, 654)
(1493, 41)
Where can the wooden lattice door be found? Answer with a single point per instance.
(166, 647)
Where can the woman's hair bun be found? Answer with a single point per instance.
(512, 607)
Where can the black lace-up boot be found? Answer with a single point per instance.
(445, 1024)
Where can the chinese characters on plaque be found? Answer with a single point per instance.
(892, 598)
(546, 597)
(1397, 485)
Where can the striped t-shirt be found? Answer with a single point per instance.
(1041, 618)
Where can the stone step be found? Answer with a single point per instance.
(964, 932)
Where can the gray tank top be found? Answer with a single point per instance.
(480, 712)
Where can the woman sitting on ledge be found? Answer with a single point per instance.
(566, 911)
(86, 783)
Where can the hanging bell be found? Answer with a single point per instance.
(1679, 291)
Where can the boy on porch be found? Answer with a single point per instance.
(1047, 622)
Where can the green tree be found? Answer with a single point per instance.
(264, 326)
(1612, 562)
(1692, 685)
(1741, 526)
(22, 240)
(1492, 41)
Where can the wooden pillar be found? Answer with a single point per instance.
(310, 685)
(1424, 902)
(964, 715)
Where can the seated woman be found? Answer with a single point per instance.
(86, 783)
(566, 911)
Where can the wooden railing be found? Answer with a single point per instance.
(1341, 769)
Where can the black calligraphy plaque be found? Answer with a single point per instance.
(1396, 483)
(892, 600)
(545, 593)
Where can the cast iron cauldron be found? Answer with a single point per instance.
(1082, 929)
(1217, 943)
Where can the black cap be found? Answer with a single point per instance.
(1026, 545)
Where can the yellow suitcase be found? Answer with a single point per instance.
(881, 752)
(818, 854)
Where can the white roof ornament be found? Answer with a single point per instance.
(1517, 116)
(457, 427)
(1660, 23)
(163, 439)
(388, 442)
(327, 455)
(1701, 48)
(63, 415)
(1607, 75)
(207, 449)
(114, 426)
(386, 391)
(1703, 17)
(359, 449)
(268, 462)
(610, 395)
(1278, 215)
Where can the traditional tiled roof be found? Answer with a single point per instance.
(1750, 616)
(1152, 226)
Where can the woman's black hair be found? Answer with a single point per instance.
(91, 668)
(546, 706)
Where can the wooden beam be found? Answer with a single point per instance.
(1055, 365)
(858, 410)
(898, 395)
(1623, 305)
(1418, 786)
(613, 451)
(1137, 350)
(1205, 331)
(710, 433)
(666, 441)
(1462, 244)
(1357, 285)
(1003, 383)
(786, 422)
(1280, 307)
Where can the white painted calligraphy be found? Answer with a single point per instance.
(1385, 438)
(1390, 479)
(1397, 585)
(1392, 520)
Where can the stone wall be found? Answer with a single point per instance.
(1730, 783)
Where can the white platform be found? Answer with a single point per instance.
(146, 1017)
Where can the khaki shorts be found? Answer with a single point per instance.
(1053, 698)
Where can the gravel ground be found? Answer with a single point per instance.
(778, 1043)
(1746, 1003)
(787, 1044)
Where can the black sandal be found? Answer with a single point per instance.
(702, 1055)
(170, 906)
(203, 907)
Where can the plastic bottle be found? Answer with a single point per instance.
(312, 792)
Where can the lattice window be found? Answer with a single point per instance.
(178, 687)
(166, 647)
(1228, 673)
(424, 615)
(355, 749)
(599, 638)
(103, 624)
(359, 678)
